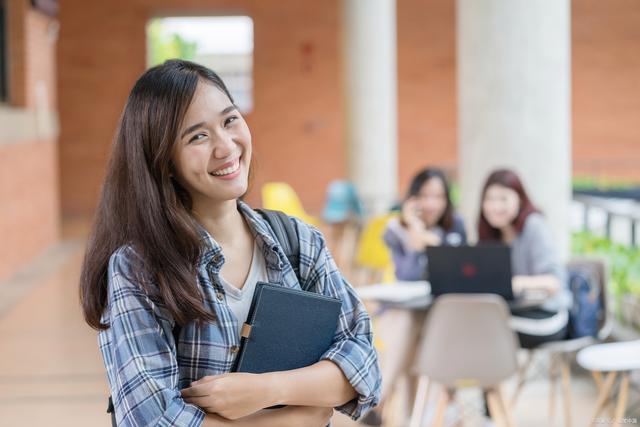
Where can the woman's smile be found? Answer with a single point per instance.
(227, 171)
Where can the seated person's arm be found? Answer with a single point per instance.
(409, 264)
(542, 262)
(547, 283)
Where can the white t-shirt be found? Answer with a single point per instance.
(239, 300)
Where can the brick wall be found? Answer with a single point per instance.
(29, 211)
(297, 122)
(606, 88)
(29, 223)
(427, 133)
(297, 114)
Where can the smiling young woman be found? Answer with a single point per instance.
(172, 244)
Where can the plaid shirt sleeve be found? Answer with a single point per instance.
(137, 350)
(352, 349)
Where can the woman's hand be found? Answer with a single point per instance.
(419, 235)
(291, 416)
(411, 214)
(429, 238)
(420, 239)
(232, 395)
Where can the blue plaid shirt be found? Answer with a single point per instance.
(139, 350)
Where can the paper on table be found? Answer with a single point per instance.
(394, 292)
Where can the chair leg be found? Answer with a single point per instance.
(597, 377)
(553, 382)
(337, 241)
(566, 390)
(495, 409)
(522, 378)
(622, 399)
(505, 408)
(420, 402)
(604, 394)
(443, 401)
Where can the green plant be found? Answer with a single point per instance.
(454, 192)
(163, 46)
(601, 183)
(623, 262)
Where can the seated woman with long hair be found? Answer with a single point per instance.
(173, 244)
(507, 216)
(427, 219)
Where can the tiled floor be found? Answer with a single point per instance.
(51, 373)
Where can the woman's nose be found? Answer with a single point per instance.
(223, 147)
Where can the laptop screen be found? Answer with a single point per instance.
(470, 269)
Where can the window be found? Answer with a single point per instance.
(222, 43)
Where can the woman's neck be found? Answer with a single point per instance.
(221, 220)
(508, 234)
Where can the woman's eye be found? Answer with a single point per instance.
(230, 120)
(198, 137)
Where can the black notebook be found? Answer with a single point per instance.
(286, 329)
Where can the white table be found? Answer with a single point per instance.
(614, 358)
(410, 295)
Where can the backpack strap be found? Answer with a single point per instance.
(286, 234)
(111, 410)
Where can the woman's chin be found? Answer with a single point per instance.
(235, 192)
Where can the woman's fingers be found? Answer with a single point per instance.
(196, 391)
(206, 379)
(200, 387)
(200, 401)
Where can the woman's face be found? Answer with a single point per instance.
(431, 201)
(500, 206)
(212, 153)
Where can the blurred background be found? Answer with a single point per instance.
(362, 91)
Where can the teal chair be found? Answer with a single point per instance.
(342, 203)
(343, 213)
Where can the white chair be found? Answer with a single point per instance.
(614, 358)
(562, 352)
(467, 342)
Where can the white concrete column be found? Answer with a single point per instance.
(370, 99)
(514, 103)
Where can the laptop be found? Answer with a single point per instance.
(473, 269)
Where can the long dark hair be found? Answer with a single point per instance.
(509, 179)
(446, 219)
(142, 206)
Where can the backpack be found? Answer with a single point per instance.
(287, 236)
(586, 313)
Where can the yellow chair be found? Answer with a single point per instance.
(280, 196)
(372, 253)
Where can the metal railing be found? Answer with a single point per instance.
(628, 210)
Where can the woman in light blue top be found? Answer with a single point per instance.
(507, 216)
